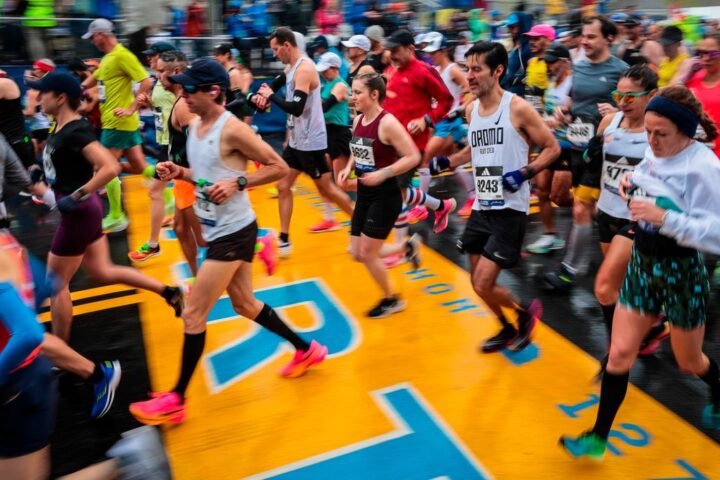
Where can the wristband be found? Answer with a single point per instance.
(529, 172)
(428, 121)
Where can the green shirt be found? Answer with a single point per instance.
(162, 104)
(339, 114)
(116, 74)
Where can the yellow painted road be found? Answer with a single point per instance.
(404, 397)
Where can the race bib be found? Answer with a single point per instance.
(580, 133)
(48, 166)
(362, 152)
(613, 173)
(488, 186)
(290, 122)
(205, 210)
(157, 113)
(101, 92)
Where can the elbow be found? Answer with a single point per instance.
(417, 158)
(115, 168)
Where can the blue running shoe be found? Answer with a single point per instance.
(104, 389)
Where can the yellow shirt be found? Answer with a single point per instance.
(162, 104)
(116, 74)
(669, 68)
(537, 73)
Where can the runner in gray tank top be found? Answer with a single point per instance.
(501, 128)
(307, 136)
(219, 145)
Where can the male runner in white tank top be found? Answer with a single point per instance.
(305, 152)
(501, 126)
(219, 145)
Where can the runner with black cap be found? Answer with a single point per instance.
(219, 147)
(635, 49)
(77, 166)
(241, 79)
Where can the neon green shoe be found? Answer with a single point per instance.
(588, 445)
(112, 224)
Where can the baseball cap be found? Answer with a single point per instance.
(358, 41)
(670, 35)
(60, 82)
(375, 32)
(159, 47)
(436, 41)
(400, 38)
(632, 21)
(320, 41)
(512, 19)
(203, 71)
(99, 25)
(222, 49)
(328, 60)
(542, 30)
(555, 52)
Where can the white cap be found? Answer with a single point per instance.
(300, 41)
(99, 25)
(328, 60)
(358, 41)
(435, 41)
(419, 38)
(375, 32)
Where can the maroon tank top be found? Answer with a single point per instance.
(369, 152)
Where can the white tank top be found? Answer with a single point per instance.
(207, 165)
(622, 150)
(455, 89)
(307, 132)
(497, 148)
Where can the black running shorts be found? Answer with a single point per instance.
(338, 138)
(609, 226)
(312, 163)
(234, 246)
(495, 234)
(376, 217)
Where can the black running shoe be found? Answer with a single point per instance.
(560, 280)
(174, 297)
(527, 321)
(387, 307)
(499, 341)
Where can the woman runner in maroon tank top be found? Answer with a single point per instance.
(378, 140)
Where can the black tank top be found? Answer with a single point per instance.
(12, 122)
(178, 139)
(632, 56)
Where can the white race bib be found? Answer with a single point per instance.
(290, 122)
(157, 113)
(48, 166)
(362, 152)
(205, 210)
(488, 186)
(580, 133)
(101, 92)
(613, 173)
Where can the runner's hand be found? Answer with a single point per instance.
(260, 102)
(606, 109)
(265, 91)
(221, 191)
(439, 165)
(375, 178)
(417, 126)
(625, 185)
(167, 170)
(123, 112)
(144, 100)
(512, 181)
(644, 211)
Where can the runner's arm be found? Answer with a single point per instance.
(391, 132)
(538, 134)
(24, 332)
(435, 86)
(251, 146)
(105, 166)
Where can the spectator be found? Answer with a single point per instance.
(321, 45)
(39, 17)
(518, 24)
(328, 18)
(195, 19)
(356, 15)
(676, 58)
(478, 26)
(291, 15)
(176, 20)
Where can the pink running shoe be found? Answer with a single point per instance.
(417, 214)
(393, 261)
(325, 226)
(268, 253)
(466, 209)
(443, 214)
(302, 360)
(651, 346)
(162, 408)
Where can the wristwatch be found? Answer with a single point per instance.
(242, 182)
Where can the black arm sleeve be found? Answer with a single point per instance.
(329, 103)
(278, 82)
(294, 107)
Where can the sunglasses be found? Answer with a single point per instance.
(198, 88)
(628, 97)
(713, 54)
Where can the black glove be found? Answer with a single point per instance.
(593, 155)
(439, 165)
(68, 204)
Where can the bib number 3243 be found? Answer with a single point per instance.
(488, 185)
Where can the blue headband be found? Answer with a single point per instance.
(686, 120)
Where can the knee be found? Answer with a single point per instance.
(100, 275)
(582, 212)
(180, 228)
(621, 358)
(482, 288)
(604, 292)
(248, 308)
(155, 193)
(361, 255)
(542, 192)
(193, 320)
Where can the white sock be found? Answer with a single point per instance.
(48, 198)
(328, 213)
(425, 179)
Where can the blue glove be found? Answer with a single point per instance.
(68, 204)
(512, 181)
(439, 165)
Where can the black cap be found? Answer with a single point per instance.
(76, 65)
(632, 21)
(222, 49)
(400, 38)
(320, 42)
(159, 47)
(58, 82)
(203, 71)
(555, 52)
(671, 35)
